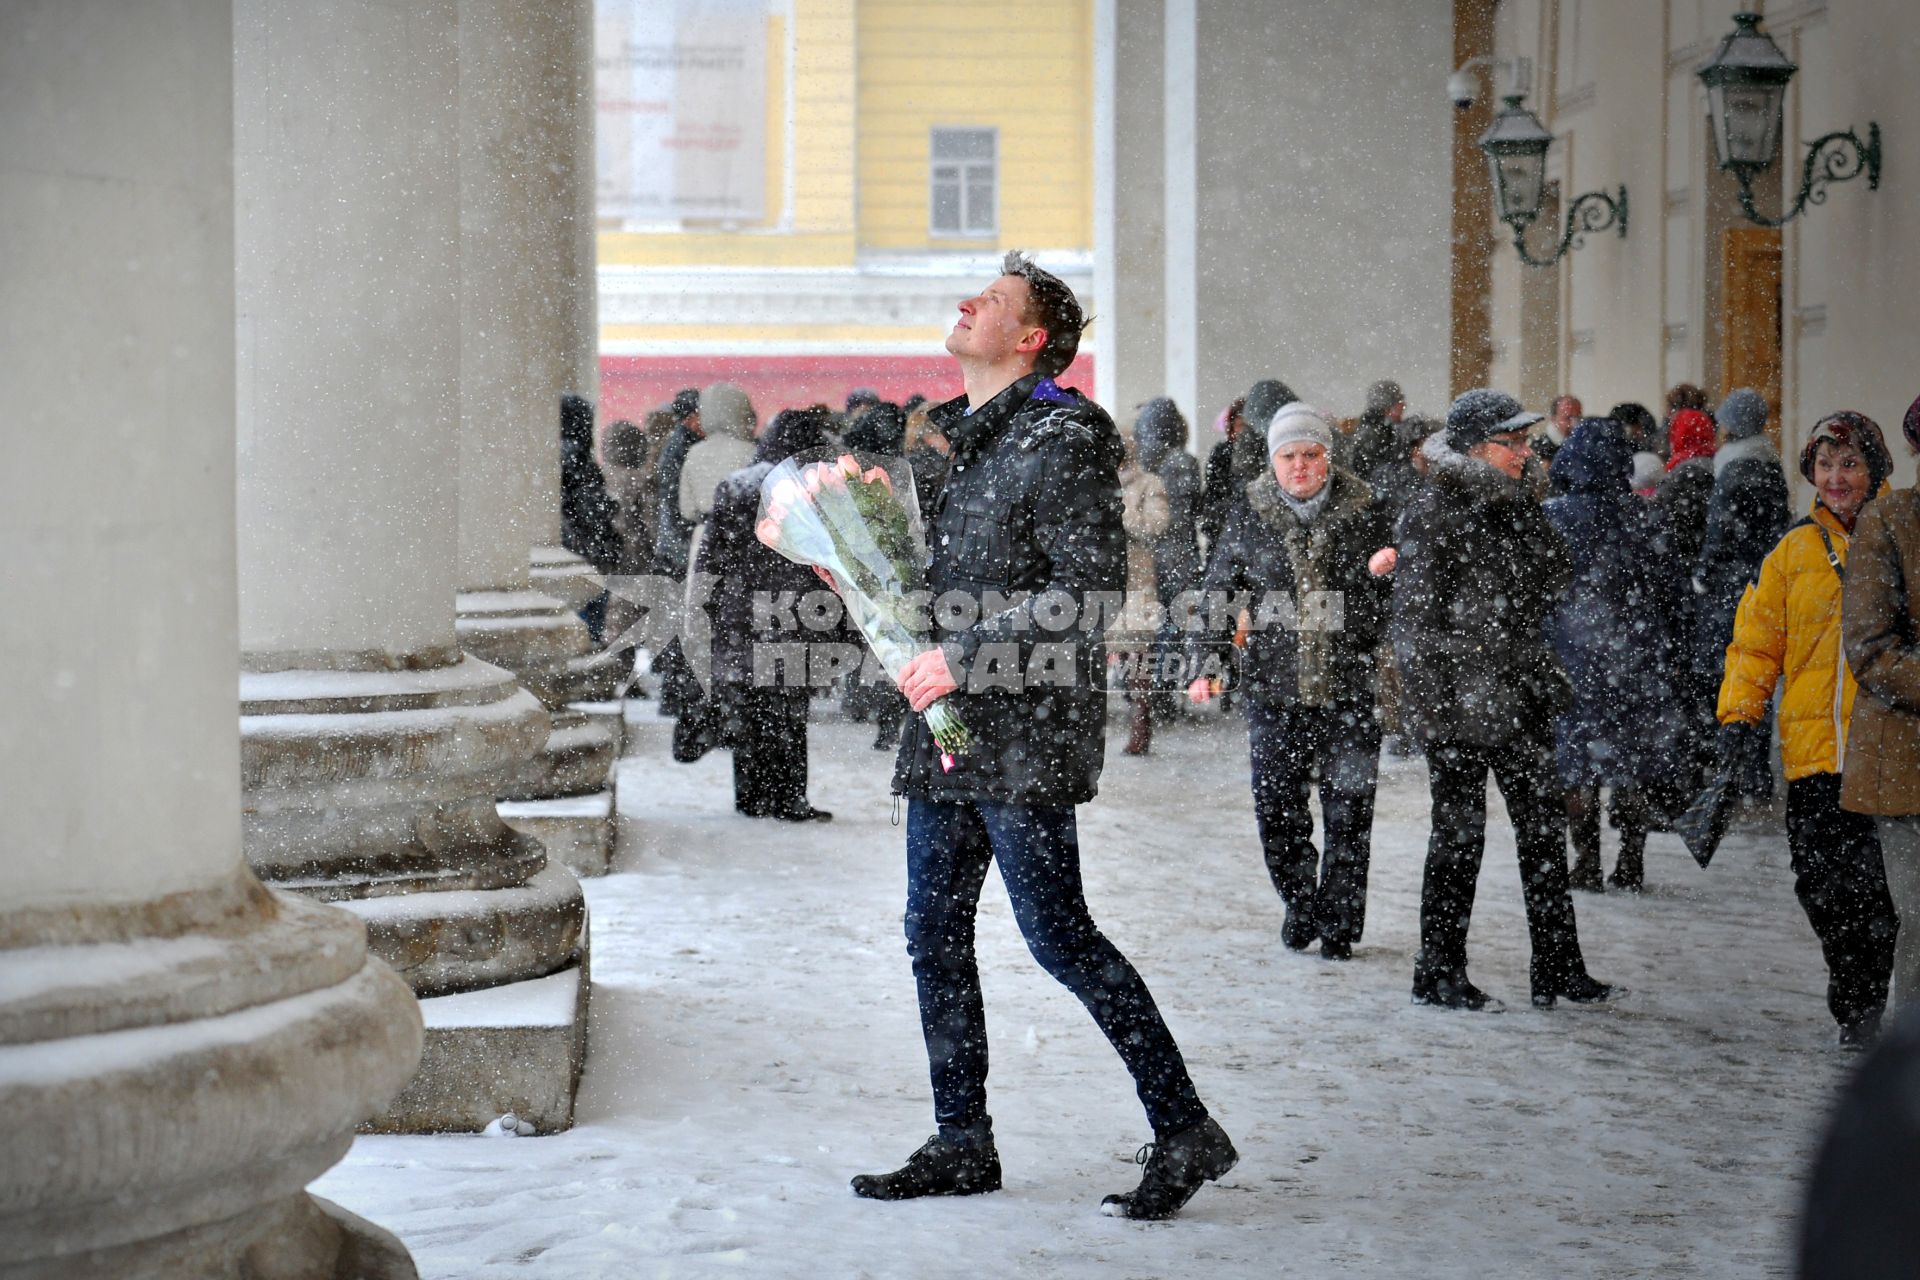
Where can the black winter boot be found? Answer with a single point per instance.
(1450, 990)
(1174, 1169)
(1581, 988)
(941, 1167)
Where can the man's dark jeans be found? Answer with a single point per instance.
(949, 845)
(1290, 747)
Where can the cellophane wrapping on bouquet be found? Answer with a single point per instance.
(855, 517)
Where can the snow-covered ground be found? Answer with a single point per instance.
(754, 1043)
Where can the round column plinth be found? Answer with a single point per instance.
(173, 1076)
(375, 789)
(529, 633)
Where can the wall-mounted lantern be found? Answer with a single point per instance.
(1746, 83)
(1516, 148)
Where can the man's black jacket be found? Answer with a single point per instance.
(1028, 530)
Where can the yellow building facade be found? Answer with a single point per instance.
(905, 147)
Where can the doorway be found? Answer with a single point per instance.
(1751, 355)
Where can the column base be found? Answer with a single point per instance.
(444, 943)
(576, 831)
(612, 713)
(172, 1078)
(513, 1049)
(576, 759)
(558, 572)
(302, 1237)
(529, 633)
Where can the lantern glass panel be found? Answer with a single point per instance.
(1517, 183)
(1746, 122)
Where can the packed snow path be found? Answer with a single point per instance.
(755, 1043)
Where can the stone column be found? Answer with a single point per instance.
(1275, 253)
(520, 96)
(181, 1050)
(372, 747)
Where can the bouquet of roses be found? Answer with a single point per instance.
(856, 520)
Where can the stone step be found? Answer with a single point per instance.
(516, 1048)
(576, 831)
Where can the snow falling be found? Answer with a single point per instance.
(754, 1043)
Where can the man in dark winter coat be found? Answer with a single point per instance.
(1216, 495)
(1375, 439)
(1028, 526)
(586, 510)
(1613, 633)
(1745, 518)
(1396, 481)
(672, 541)
(1296, 551)
(765, 719)
(1479, 570)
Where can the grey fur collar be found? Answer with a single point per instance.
(1756, 447)
(1478, 478)
(1345, 493)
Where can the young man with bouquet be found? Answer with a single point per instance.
(1028, 527)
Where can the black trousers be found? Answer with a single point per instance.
(767, 729)
(1841, 882)
(1457, 774)
(1291, 748)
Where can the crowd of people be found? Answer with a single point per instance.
(1595, 611)
(1599, 612)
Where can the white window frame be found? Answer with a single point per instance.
(964, 175)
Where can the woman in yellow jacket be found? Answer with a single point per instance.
(1788, 630)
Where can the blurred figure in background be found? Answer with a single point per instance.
(672, 540)
(1684, 495)
(1217, 496)
(1612, 631)
(764, 722)
(1375, 440)
(879, 430)
(625, 450)
(1145, 514)
(927, 451)
(586, 512)
(1746, 515)
(1160, 437)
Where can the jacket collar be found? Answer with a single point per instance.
(1448, 466)
(970, 433)
(1347, 494)
(1738, 450)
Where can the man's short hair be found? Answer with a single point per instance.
(1565, 397)
(1052, 306)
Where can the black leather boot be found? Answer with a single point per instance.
(941, 1167)
(1174, 1168)
(1449, 990)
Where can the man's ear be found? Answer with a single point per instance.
(1031, 340)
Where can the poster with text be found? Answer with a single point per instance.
(682, 92)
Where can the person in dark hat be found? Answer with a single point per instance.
(1479, 570)
(1374, 441)
(672, 541)
(1746, 515)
